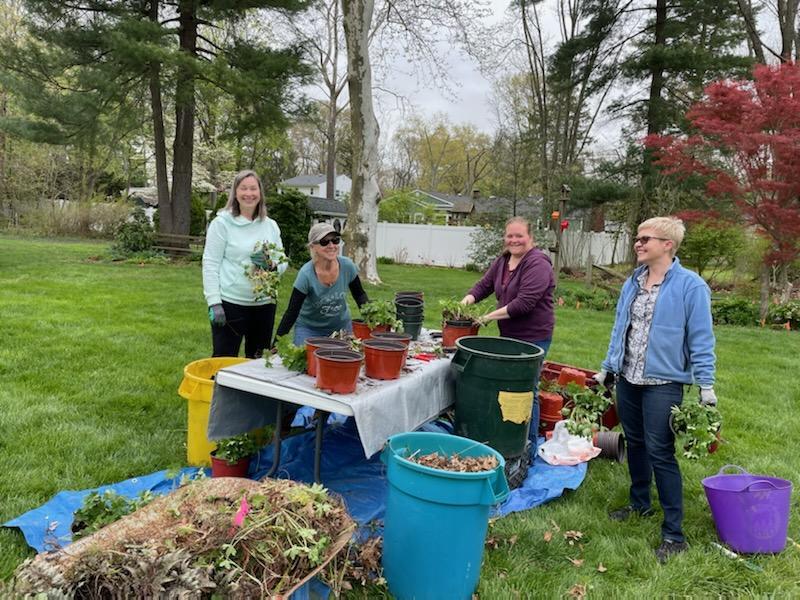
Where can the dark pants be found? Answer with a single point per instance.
(253, 323)
(644, 412)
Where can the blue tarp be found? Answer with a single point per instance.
(344, 470)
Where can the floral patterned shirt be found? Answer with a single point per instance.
(642, 310)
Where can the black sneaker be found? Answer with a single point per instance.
(626, 512)
(668, 548)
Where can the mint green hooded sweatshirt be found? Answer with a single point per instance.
(229, 243)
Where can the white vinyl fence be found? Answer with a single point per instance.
(445, 246)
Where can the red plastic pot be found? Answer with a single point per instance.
(337, 370)
(394, 336)
(453, 330)
(552, 370)
(383, 359)
(315, 343)
(570, 375)
(221, 468)
(610, 417)
(550, 403)
(548, 422)
(363, 332)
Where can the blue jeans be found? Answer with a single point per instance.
(533, 434)
(644, 412)
(302, 333)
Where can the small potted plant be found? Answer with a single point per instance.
(232, 456)
(292, 357)
(696, 428)
(378, 315)
(584, 409)
(458, 320)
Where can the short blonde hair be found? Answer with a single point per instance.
(521, 221)
(671, 228)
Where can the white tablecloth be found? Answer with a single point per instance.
(381, 408)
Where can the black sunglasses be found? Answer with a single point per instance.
(334, 240)
(646, 238)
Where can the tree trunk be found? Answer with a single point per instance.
(754, 38)
(330, 169)
(3, 154)
(183, 146)
(763, 304)
(165, 219)
(362, 213)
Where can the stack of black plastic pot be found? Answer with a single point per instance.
(410, 308)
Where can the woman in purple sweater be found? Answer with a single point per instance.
(522, 281)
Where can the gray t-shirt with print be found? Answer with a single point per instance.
(325, 307)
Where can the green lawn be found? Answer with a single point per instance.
(92, 355)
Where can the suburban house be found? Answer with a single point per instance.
(458, 208)
(316, 185)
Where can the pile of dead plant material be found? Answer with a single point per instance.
(223, 537)
(455, 462)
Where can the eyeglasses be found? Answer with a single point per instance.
(646, 238)
(334, 240)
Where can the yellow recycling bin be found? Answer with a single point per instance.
(197, 387)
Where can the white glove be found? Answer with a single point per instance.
(605, 379)
(707, 396)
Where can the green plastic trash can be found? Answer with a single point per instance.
(494, 391)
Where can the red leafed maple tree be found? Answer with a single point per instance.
(746, 145)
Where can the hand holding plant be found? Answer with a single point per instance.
(696, 428)
(263, 270)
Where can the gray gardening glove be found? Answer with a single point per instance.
(606, 379)
(216, 314)
(707, 396)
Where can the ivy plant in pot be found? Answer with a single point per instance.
(378, 315)
(696, 428)
(232, 456)
(458, 320)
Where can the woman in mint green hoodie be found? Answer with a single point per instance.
(232, 240)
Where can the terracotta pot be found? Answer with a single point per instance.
(548, 422)
(221, 468)
(363, 332)
(570, 375)
(315, 343)
(610, 417)
(611, 444)
(383, 359)
(452, 330)
(394, 336)
(337, 370)
(550, 403)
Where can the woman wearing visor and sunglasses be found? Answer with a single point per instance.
(662, 339)
(318, 306)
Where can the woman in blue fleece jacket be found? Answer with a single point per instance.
(662, 339)
(231, 239)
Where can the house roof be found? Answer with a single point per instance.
(462, 205)
(303, 180)
(323, 206)
(528, 206)
(438, 200)
(145, 195)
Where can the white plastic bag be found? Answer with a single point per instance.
(567, 449)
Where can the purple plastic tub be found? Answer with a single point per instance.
(751, 512)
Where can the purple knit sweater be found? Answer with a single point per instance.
(528, 296)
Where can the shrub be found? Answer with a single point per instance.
(197, 216)
(472, 267)
(786, 312)
(486, 244)
(98, 219)
(290, 210)
(385, 260)
(596, 298)
(710, 242)
(133, 236)
(734, 311)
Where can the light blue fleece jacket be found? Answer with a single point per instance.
(229, 243)
(680, 345)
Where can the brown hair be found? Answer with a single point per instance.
(233, 203)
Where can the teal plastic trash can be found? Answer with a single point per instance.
(436, 521)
